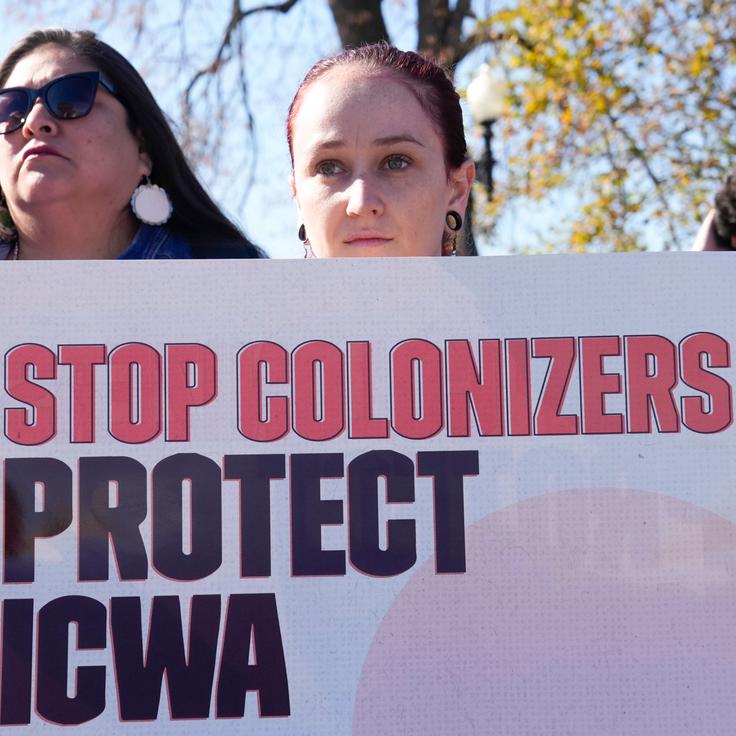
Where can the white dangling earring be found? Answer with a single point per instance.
(151, 204)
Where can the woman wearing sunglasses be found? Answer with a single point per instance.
(380, 165)
(89, 167)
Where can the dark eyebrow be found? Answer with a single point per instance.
(328, 143)
(401, 138)
(387, 141)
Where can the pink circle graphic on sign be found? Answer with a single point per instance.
(598, 612)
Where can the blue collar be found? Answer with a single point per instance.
(155, 242)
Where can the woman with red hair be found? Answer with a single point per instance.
(379, 159)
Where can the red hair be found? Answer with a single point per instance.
(427, 81)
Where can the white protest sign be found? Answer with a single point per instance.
(429, 496)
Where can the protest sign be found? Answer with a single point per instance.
(428, 496)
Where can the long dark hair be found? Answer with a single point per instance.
(196, 217)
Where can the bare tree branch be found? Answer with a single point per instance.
(251, 123)
(237, 16)
(638, 154)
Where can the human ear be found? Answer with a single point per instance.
(295, 196)
(292, 186)
(146, 165)
(144, 158)
(461, 180)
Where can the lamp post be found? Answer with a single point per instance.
(485, 94)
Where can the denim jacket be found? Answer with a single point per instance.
(155, 241)
(150, 242)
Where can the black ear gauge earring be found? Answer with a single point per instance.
(453, 220)
(302, 235)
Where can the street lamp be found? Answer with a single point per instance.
(485, 94)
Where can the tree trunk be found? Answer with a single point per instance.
(440, 29)
(359, 21)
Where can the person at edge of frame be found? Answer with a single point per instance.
(718, 231)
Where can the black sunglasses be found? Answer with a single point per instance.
(66, 98)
